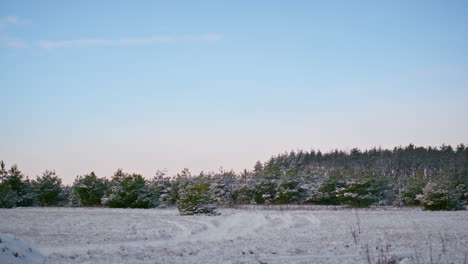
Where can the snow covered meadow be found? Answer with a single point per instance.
(321, 235)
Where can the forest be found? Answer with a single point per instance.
(435, 178)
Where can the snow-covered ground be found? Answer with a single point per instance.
(102, 235)
(15, 251)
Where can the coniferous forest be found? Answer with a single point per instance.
(435, 178)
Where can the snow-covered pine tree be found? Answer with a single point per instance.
(89, 189)
(49, 189)
(440, 196)
(130, 190)
(196, 198)
(15, 189)
(161, 185)
(222, 185)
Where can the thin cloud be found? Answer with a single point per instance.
(13, 20)
(5, 39)
(48, 44)
(204, 37)
(211, 37)
(12, 42)
(52, 44)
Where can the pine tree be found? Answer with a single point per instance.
(89, 189)
(130, 190)
(48, 188)
(196, 198)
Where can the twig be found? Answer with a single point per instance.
(354, 234)
(444, 246)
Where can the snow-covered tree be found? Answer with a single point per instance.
(290, 192)
(244, 190)
(15, 188)
(129, 190)
(222, 185)
(196, 198)
(411, 188)
(161, 185)
(361, 190)
(440, 196)
(89, 189)
(49, 189)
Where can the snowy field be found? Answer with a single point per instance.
(102, 235)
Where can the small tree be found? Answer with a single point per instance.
(244, 192)
(15, 189)
(130, 190)
(325, 193)
(89, 189)
(48, 188)
(411, 189)
(362, 190)
(196, 198)
(222, 185)
(265, 190)
(161, 185)
(289, 192)
(440, 196)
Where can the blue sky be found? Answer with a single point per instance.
(147, 85)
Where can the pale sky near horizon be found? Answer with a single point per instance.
(147, 85)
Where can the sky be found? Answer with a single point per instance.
(153, 85)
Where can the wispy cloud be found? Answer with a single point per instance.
(12, 42)
(203, 37)
(8, 21)
(53, 44)
(13, 20)
(5, 39)
(50, 44)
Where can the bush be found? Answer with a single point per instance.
(130, 191)
(196, 198)
(88, 190)
(440, 196)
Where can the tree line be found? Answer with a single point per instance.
(435, 178)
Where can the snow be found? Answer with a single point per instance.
(103, 235)
(15, 251)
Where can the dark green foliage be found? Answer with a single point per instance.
(326, 193)
(459, 183)
(48, 188)
(355, 178)
(130, 191)
(15, 189)
(361, 189)
(196, 198)
(290, 192)
(440, 196)
(8, 197)
(265, 191)
(89, 189)
(244, 193)
(447, 192)
(412, 188)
